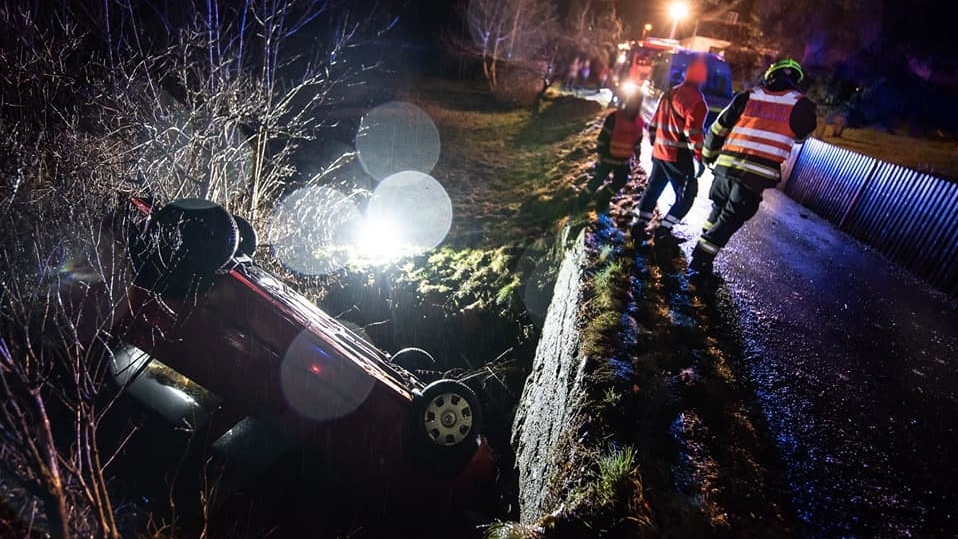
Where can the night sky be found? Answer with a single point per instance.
(928, 25)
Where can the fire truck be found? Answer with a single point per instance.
(654, 65)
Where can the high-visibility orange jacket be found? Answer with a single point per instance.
(678, 122)
(620, 137)
(754, 135)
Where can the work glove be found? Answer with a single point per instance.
(699, 168)
(709, 160)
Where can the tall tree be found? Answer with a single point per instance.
(518, 32)
(593, 30)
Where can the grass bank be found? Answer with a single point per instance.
(936, 155)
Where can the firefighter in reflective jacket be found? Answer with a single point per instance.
(618, 142)
(676, 136)
(747, 144)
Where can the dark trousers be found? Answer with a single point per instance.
(681, 177)
(732, 205)
(620, 176)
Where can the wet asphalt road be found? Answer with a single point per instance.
(856, 365)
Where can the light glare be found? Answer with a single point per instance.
(678, 10)
(311, 229)
(410, 213)
(321, 385)
(380, 241)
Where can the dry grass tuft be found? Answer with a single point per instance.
(936, 156)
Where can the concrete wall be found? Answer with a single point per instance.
(549, 395)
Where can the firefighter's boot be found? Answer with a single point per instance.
(701, 263)
(639, 232)
(603, 201)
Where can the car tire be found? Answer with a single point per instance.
(446, 426)
(182, 246)
(247, 237)
(413, 359)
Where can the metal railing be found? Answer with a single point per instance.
(910, 217)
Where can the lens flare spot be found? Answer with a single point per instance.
(342, 388)
(536, 292)
(311, 230)
(395, 137)
(408, 214)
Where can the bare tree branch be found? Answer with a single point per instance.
(214, 107)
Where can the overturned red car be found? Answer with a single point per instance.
(211, 340)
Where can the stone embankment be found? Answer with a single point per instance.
(637, 419)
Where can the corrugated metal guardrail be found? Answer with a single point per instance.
(908, 216)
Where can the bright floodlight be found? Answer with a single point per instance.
(678, 10)
(379, 240)
(395, 137)
(311, 230)
(408, 214)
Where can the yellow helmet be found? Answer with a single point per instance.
(785, 68)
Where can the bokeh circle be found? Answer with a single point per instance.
(411, 211)
(397, 136)
(319, 383)
(311, 230)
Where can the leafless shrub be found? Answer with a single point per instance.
(220, 110)
(60, 288)
(54, 188)
(92, 113)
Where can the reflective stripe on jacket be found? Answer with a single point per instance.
(677, 123)
(762, 138)
(626, 135)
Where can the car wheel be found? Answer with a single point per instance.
(413, 359)
(447, 426)
(247, 237)
(182, 246)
